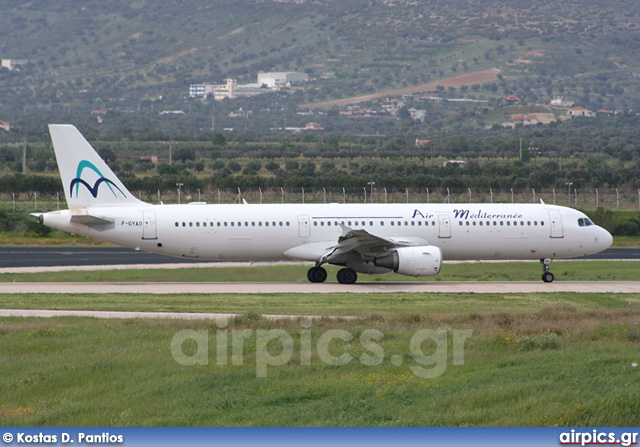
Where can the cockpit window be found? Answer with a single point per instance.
(584, 222)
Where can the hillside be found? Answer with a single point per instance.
(134, 58)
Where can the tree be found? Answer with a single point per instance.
(218, 139)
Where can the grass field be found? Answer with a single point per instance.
(532, 360)
(475, 271)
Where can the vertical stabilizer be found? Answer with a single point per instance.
(86, 178)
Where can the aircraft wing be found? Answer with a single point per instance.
(366, 244)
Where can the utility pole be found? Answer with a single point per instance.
(24, 156)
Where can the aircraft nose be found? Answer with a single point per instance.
(603, 239)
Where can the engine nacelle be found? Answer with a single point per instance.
(424, 260)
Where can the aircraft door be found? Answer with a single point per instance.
(303, 226)
(444, 226)
(149, 227)
(557, 229)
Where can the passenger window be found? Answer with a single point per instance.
(381, 223)
(467, 223)
(535, 223)
(315, 224)
(322, 224)
(542, 223)
(176, 224)
(197, 224)
(266, 224)
(259, 224)
(232, 224)
(190, 224)
(474, 223)
(225, 224)
(280, 223)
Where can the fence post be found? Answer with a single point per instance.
(260, 189)
(534, 194)
(511, 195)
(58, 200)
(324, 191)
(554, 196)
(469, 194)
(406, 190)
(385, 195)
(344, 196)
(491, 194)
(35, 199)
(365, 194)
(617, 199)
(597, 198)
(427, 195)
(282, 193)
(302, 195)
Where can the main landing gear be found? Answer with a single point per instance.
(317, 274)
(345, 276)
(547, 276)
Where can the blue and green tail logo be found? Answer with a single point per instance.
(93, 190)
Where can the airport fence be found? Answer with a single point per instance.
(622, 199)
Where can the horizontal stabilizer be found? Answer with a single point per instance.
(87, 219)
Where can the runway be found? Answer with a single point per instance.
(362, 287)
(16, 257)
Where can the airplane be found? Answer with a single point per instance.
(409, 239)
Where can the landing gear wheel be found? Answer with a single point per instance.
(317, 274)
(347, 276)
(547, 276)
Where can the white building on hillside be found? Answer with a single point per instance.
(282, 79)
(14, 64)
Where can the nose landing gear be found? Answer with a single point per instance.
(547, 276)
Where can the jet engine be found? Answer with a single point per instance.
(412, 261)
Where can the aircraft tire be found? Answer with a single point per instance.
(317, 274)
(548, 277)
(347, 276)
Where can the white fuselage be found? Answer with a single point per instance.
(305, 232)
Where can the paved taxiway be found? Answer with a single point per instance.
(328, 287)
(162, 315)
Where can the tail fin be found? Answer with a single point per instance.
(86, 178)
